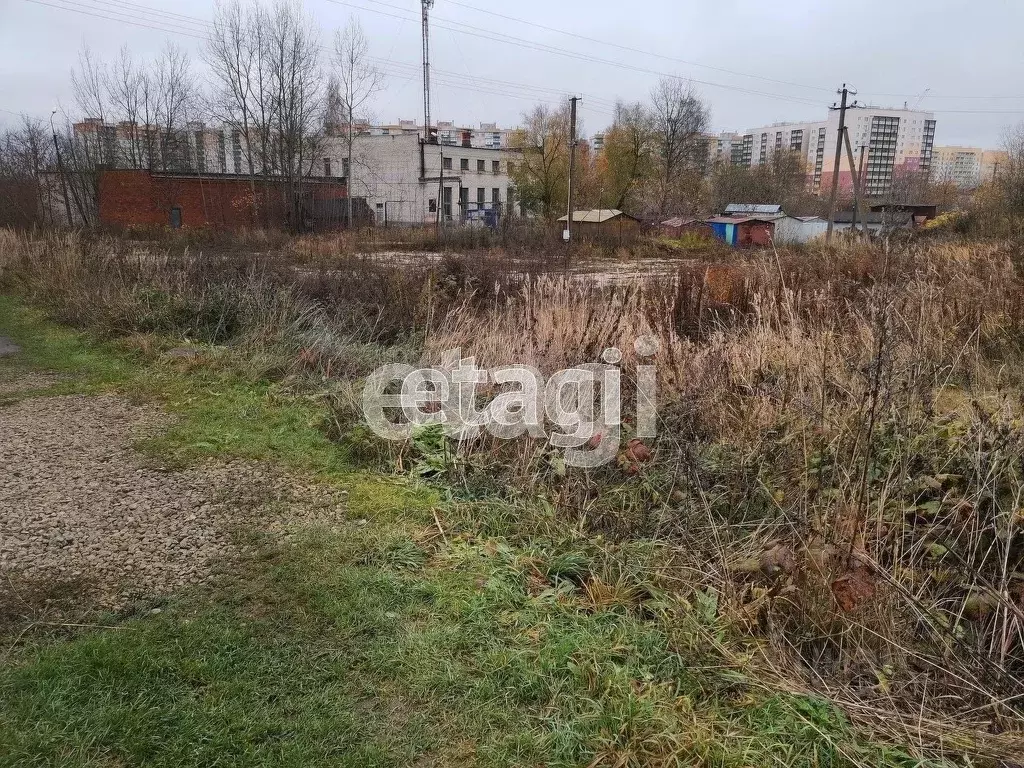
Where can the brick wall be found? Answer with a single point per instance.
(141, 198)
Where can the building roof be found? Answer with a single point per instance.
(680, 221)
(740, 220)
(597, 216)
(751, 208)
(894, 219)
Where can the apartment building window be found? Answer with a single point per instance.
(200, 151)
(344, 167)
(464, 164)
(236, 150)
(495, 166)
(481, 166)
(222, 153)
(446, 163)
(432, 205)
(446, 202)
(496, 196)
(819, 159)
(927, 145)
(481, 196)
(778, 140)
(327, 166)
(882, 154)
(108, 148)
(796, 141)
(463, 201)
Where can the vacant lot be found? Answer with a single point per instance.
(817, 562)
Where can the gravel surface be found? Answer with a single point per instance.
(85, 517)
(8, 347)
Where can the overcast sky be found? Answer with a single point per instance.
(755, 61)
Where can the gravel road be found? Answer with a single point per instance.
(84, 516)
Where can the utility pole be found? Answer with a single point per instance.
(572, 171)
(863, 191)
(856, 179)
(60, 169)
(839, 156)
(427, 5)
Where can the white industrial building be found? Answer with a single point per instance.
(405, 180)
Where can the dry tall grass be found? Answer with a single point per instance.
(841, 457)
(841, 461)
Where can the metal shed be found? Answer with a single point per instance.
(799, 229)
(743, 231)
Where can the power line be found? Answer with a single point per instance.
(394, 67)
(635, 50)
(171, 28)
(698, 64)
(466, 29)
(122, 20)
(188, 26)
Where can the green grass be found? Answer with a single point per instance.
(387, 643)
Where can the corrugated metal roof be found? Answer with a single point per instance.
(751, 208)
(679, 221)
(739, 219)
(891, 219)
(597, 216)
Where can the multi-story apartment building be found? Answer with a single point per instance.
(896, 141)
(195, 147)
(991, 162)
(959, 165)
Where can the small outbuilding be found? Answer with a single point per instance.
(603, 224)
(743, 231)
(921, 214)
(876, 223)
(798, 229)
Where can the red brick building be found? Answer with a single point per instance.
(130, 198)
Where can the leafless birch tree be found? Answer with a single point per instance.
(266, 61)
(358, 81)
(681, 120)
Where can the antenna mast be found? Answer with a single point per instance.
(427, 5)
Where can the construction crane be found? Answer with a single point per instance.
(427, 5)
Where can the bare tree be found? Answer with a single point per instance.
(127, 86)
(25, 153)
(680, 122)
(267, 64)
(541, 172)
(176, 96)
(358, 81)
(1010, 180)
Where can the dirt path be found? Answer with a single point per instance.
(87, 519)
